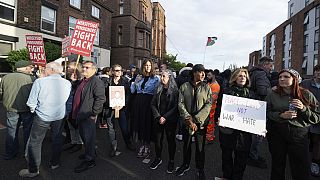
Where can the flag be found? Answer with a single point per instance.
(211, 41)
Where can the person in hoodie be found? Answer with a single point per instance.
(260, 86)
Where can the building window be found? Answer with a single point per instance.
(306, 42)
(306, 2)
(304, 64)
(120, 40)
(148, 38)
(95, 12)
(72, 24)
(289, 63)
(317, 16)
(315, 60)
(316, 40)
(97, 38)
(48, 19)
(7, 10)
(283, 64)
(140, 38)
(121, 7)
(95, 55)
(76, 3)
(5, 48)
(284, 50)
(291, 9)
(306, 22)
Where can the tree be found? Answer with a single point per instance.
(53, 51)
(173, 63)
(17, 55)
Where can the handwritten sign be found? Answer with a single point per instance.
(65, 47)
(116, 96)
(83, 37)
(36, 49)
(243, 114)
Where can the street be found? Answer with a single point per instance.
(124, 166)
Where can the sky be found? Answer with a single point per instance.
(239, 26)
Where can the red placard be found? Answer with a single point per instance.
(65, 47)
(83, 37)
(36, 49)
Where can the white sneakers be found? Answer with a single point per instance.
(26, 174)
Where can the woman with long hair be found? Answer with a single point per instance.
(145, 87)
(235, 144)
(164, 107)
(290, 111)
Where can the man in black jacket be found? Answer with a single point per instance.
(260, 86)
(87, 104)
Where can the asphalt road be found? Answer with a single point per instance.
(124, 166)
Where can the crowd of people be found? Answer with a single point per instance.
(160, 104)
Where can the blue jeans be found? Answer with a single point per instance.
(14, 121)
(38, 132)
(124, 126)
(256, 143)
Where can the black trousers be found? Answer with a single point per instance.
(287, 140)
(233, 162)
(87, 130)
(200, 141)
(170, 129)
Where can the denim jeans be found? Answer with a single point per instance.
(74, 134)
(38, 132)
(87, 130)
(14, 121)
(124, 126)
(256, 143)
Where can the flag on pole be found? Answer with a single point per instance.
(211, 41)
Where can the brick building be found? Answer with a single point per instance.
(131, 32)
(295, 43)
(254, 58)
(158, 32)
(53, 20)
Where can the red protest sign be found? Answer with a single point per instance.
(65, 47)
(36, 49)
(83, 37)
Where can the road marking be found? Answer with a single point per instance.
(122, 168)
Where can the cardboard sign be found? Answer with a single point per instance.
(36, 49)
(83, 37)
(116, 96)
(243, 114)
(65, 47)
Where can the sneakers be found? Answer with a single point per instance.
(259, 163)
(146, 152)
(26, 174)
(315, 170)
(155, 163)
(53, 167)
(181, 170)
(112, 152)
(85, 165)
(140, 153)
(170, 167)
(179, 137)
(201, 175)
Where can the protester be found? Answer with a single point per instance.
(215, 89)
(235, 144)
(145, 86)
(290, 111)
(163, 66)
(260, 86)
(164, 106)
(117, 80)
(14, 92)
(313, 85)
(47, 99)
(195, 101)
(184, 76)
(73, 74)
(87, 104)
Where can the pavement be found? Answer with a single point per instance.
(124, 166)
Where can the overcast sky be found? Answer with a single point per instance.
(238, 25)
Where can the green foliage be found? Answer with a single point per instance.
(53, 51)
(173, 63)
(14, 56)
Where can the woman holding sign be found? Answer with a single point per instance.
(145, 86)
(290, 111)
(235, 144)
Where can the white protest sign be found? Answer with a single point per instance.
(243, 114)
(116, 96)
